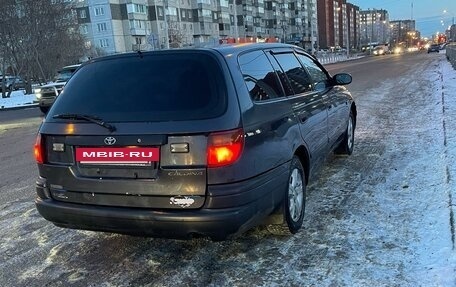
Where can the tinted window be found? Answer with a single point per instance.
(64, 75)
(319, 76)
(260, 78)
(299, 78)
(154, 87)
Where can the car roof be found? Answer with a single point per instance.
(70, 67)
(224, 49)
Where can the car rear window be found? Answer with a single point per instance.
(147, 87)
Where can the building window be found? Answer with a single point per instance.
(84, 29)
(104, 43)
(101, 27)
(172, 11)
(82, 14)
(99, 11)
(137, 24)
(136, 8)
(160, 11)
(138, 40)
(88, 44)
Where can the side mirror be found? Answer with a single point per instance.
(342, 79)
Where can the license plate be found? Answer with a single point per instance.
(118, 156)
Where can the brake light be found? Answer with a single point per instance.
(38, 150)
(224, 148)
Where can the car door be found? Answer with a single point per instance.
(308, 105)
(336, 101)
(271, 128)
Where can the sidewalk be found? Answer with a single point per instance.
(17, 100)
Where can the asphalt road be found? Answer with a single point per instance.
(352, 236)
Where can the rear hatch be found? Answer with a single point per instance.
(133, 130)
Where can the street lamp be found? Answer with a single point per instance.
(446, 12)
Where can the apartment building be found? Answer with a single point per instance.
(338, 24)
(401, 31)
(116, 26)
(375, 26)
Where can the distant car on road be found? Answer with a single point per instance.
(12, 83)
(433, 48)
(46, 94)
(379, 50)
(191, 142)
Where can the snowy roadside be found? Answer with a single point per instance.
(17, 99)
(390, 219)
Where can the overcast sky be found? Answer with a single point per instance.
(428, 14)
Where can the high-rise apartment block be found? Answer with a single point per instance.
(375, 26)
(400, 31)
(117, 26)
(338, 24)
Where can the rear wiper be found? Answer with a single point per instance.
(89, 118)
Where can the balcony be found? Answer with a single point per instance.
(138, 31)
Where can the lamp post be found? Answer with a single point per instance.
(446, 12)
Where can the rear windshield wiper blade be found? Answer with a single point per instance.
(89, 118)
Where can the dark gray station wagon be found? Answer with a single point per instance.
(190, 142)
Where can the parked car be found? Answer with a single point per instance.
(433, 48)
(12, 83)
(191, 142)
(46, 94)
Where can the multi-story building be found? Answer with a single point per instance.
(400, 31)
(451, 33)
(116, 26)
(338, 24)
(374, 26)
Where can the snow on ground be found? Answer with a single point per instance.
(381, 217)
(17, 98)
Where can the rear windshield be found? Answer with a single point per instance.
(151, 87)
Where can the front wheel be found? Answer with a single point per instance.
(44, 110)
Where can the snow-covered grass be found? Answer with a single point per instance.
(17, 98)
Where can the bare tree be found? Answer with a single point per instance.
(37, 37)
(176, 37)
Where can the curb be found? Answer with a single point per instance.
(18, 107)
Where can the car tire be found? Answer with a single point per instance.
(293, 205)
(348, 142)
(44, 110)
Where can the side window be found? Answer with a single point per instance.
(299, 79)
(259, 76)
(320, 77)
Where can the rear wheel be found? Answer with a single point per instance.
(293, 205)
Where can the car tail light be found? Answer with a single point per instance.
(224, 148)
(38, 149)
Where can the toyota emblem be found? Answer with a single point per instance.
(110, 140)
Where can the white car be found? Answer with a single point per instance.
(46, 94)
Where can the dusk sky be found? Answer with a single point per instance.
(428, 14)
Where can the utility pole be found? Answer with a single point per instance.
(412, 11)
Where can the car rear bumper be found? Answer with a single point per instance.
(228, 210)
